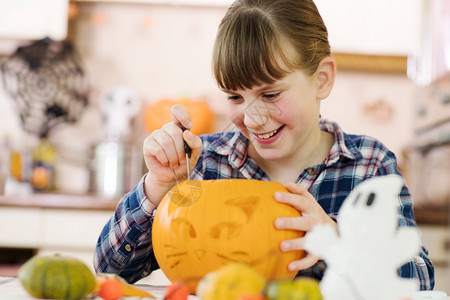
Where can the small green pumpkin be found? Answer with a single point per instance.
(56, 277)
(300, 288)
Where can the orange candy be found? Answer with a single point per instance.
(177, 291)
(111, 289)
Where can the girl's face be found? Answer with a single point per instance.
(279, 119)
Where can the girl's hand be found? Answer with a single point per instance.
(312, 214)
(165, 157)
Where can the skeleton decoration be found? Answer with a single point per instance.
(119, 106)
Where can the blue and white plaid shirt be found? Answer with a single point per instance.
(125, 245)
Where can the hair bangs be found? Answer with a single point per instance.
(248, 52)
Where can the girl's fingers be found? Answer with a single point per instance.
(162, 145)
(173, 143)
(296, 188)
(292, 245)
(300, 202)
(312, 214)
(195, 143)
(168, 144)
(153, 151)
(303, 223)
(297, 245)
(300, 198)
(181, 117)
(304, 202)
(307, 262)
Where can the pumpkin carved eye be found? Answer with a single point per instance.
(183, 228)
(248, 205)
(225, 230)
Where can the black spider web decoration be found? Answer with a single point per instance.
(47, 83)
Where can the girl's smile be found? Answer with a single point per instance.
(268, 137)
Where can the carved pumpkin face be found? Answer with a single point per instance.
(200, 226)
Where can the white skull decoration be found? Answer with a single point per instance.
(119, 106)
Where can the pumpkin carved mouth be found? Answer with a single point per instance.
(246, 258)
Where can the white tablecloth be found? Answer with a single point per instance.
(10, 288)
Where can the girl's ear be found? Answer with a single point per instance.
(325, 75)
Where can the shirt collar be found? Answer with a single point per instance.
(343, 145)
(234, 145)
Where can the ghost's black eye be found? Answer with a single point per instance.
(370, 199)
(357, 198)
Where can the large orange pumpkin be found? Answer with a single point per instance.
(158, 113)
(200, 226)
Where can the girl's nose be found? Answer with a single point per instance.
(256, 114)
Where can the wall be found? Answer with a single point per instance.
(378, 105)
(165, 51)
(159, 50)
(376, 27)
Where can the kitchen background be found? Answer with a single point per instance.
(393, 83)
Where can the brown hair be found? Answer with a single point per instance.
(256, 38)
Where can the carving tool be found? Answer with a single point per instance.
(188, 152)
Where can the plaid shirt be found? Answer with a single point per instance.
(124, 246)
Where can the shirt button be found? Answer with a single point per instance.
(128, 247)
(311, 171)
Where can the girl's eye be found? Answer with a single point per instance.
(271, 96)
(234, 98)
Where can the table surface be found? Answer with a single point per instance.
(10, 288)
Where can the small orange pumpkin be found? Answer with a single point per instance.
(200, 226)
(158, 113)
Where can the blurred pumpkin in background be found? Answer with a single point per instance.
(157, 114)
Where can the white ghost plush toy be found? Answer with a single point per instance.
(362, 260)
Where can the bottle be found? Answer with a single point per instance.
(43, 171)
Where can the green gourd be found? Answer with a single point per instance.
(56, 277)
(300, 288)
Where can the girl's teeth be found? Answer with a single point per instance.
(267, 135)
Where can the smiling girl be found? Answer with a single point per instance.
(272, 59)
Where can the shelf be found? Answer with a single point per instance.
(387, 64)
(60, 201)
(433, 215)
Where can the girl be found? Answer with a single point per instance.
(272, 58)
